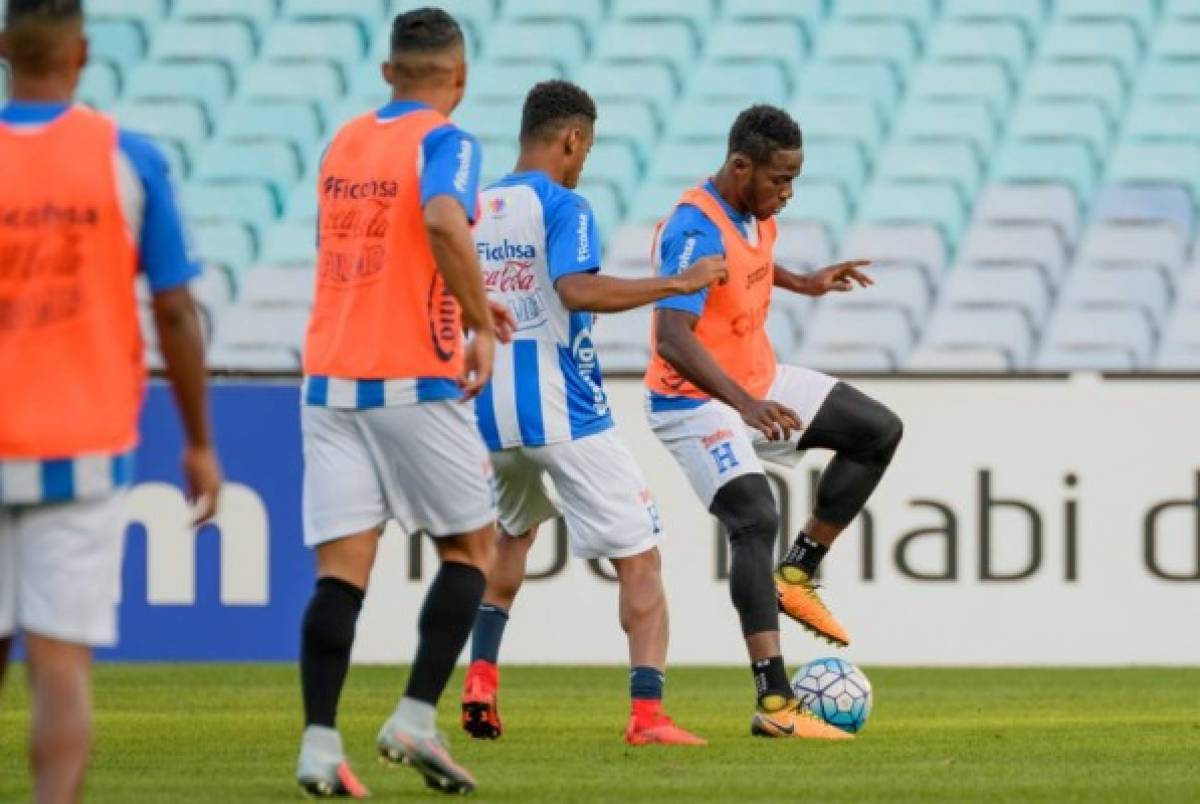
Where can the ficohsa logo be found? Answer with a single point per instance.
(585, 247)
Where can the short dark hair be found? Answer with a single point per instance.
(551, 105)
(425, 30)
(53, 10)
(762, 130)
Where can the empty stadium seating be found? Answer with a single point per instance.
(1025, 173)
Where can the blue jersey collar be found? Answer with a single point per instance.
(16, 112)
(744, 222)
(398, 108)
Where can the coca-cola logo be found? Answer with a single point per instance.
(516, 276)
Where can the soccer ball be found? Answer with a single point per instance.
(835, 691)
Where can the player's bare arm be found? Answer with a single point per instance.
(182, 347)
(597, 293)
(677, 344)
(838, 278)
(454, 250)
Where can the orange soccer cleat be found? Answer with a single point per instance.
(651, 726)
(799, 600)
(480, 701)
(793, 720)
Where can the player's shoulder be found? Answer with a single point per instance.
(448, 132)
(686, 220)
(143, 153)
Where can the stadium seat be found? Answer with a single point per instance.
(499, 157)
(1180, 39)
(905, 291)
(628, 121)
(951, 163)
(892, 43)
(271, 286)
(1173, 119)
(652, 84)
(915, 203)
(237, 200)
(229, 42)
(272, 118)
(301, 204)
(654, 199)
(884, 332)
(757, 81)
(227, 243)
(492, 80)
(1005, 331)
(338, 41)
(853, 78)
(500, 120)
(559, 43)
(1028, 14)
(1146, 290)
(179, 158)
(1141, 14)
(846, 358)
(119, 40)
(1171, 78)
(857, 121)
(941, 81)
(803, 246)
(807, 15)
(366, 14)
(1022, 288)
(1047, 162)
(214, 288)
(838, 161)
(956, 359)
(623, 340)
(1104, 41)
(1161, 164)
(1005, 246)
(1133, 204)
(290, 243)
(1031, 203)
(1101, 338)
(182, 120)
(241, 326)
(1067, 120)
(695, 13)
(781, 333)
(258, 14)
(615, 163)
(897, 248)
(917, 14)
(967, 120)
(703, 119)
(584, 14)
(996, 41)
(1180, 9)
(100, 84)
(207, 82)
(628, 252)
(147, 12)
(824, 203)
(235, 358)
(608, 208)
(275, 162)
(767, 42)
(319, 82)
(1097, 82)
(1117, 244)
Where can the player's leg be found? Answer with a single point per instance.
(863, 435)
(422, 452)
(61, 726)
(611, 514)
(8, 587)
(522, 504)
(343, 511)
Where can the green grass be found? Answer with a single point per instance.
(229, 733)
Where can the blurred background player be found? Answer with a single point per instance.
(84, 206)
(719, 401)
(385, 433)
(545, 411)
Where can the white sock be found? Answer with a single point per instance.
(416, 716)
(323, 740)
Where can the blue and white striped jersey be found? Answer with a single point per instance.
(546, 386)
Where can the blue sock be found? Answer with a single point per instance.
(489, 630)
(646, 683)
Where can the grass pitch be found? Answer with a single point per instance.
(215, 733)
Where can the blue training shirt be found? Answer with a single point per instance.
(546, 385)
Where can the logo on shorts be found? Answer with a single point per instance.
(651, 510)
(724, 456)
(496, 205)
(717, 437)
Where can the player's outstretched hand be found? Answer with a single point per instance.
(703, 273)
(841, 277)
(477, 368)
(202, 473)
(504, 323)
(773, 420)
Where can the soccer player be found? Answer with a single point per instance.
(545, 411)
(84, 207)
(385, 433)
(719, 401)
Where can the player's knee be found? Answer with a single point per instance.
(889, 432)
(746, 507)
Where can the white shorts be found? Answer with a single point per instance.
(608, 507)
(60, 569)
(422, 465)
(714, 445)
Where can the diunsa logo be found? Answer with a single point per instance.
(585, 247)
(685, 256)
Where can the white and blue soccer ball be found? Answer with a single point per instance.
(835, 691)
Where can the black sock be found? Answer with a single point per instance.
(445, 623)
(771, 678)
(326, 636)
(806, 553)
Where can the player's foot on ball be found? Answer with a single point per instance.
(658, 730)
(428, 755)
(793, 720)
(322, 770)
(480, 702)
(799, 600)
